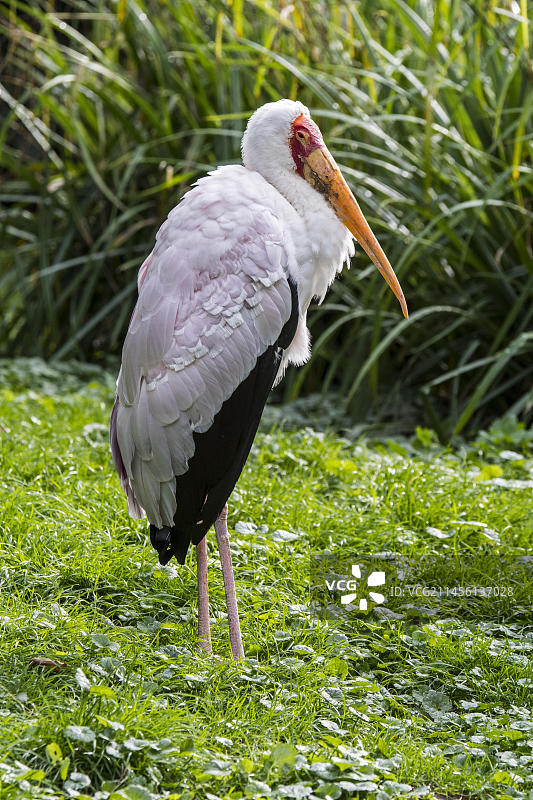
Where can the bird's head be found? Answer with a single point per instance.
(282, 139)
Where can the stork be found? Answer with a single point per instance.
(221, 312)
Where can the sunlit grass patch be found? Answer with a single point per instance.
(431, 698)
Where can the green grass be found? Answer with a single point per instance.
(109, 111)
(426, 698)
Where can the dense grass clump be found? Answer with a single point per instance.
(427, 696)
(110, 110)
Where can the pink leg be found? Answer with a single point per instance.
(204, 632)
(221, 530)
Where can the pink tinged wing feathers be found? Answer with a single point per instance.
(145, 266)
(213, 295)
(134, 508)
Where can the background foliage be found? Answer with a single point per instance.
(109, 110)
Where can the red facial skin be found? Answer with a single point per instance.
(305, 137)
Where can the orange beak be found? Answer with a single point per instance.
(321, 171)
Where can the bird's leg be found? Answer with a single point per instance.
(204, 632)
(221, 530)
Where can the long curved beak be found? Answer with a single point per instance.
(321, 171)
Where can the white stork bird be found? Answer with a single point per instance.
(222, 306)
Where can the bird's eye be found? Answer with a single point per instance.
(300, 135)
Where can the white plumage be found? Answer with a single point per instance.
(222, 307)
(234, 268)
(213, 295)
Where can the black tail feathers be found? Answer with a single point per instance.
(161, 540)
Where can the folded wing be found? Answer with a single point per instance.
(214, 299)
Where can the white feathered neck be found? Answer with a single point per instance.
(322, 244)
(323, 241)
